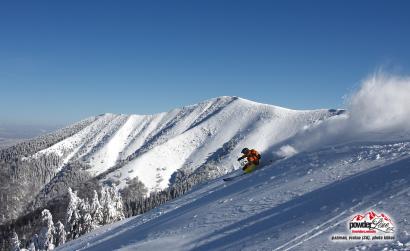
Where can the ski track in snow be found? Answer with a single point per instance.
(340, 219)
(267, 209)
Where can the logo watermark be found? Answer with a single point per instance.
(370, 226)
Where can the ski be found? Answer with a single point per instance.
(233, 177)
(269, 163)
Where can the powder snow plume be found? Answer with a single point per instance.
(378, 111)
(382, 103)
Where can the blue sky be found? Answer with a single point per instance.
(62, 61)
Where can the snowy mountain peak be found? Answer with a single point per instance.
(152, 148)
(320, 169)
(200, 141)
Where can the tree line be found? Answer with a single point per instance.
(82, 216)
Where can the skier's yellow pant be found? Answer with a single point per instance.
(250, 168)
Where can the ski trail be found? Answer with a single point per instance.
(321, 230)
(315, 229)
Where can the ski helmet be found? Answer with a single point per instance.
(245, 150)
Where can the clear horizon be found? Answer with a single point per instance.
(63, 62)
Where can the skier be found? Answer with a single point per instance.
(253, 157)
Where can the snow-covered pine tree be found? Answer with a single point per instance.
(14, 242)
(46, 236)
(105, 200)
(60, 234)
(118, 204)
(72, 216)
(86, 224)
(96, 211)
(111, 203)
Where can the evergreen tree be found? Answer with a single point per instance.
(86, 224)
(46, 236)
(111, 203)
(60, 234)
(96, 211)
(118, 204)
(72, 216)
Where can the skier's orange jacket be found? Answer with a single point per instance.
(252, 156)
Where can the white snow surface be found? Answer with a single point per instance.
(335, 168)
(153, 147)
(294, 204)
(195, 132)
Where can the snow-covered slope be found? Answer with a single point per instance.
(296, 204)
(153, 147)
(335, 169)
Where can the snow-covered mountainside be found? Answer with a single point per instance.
(336, 167)
(153, 147)
(296, 204)
(203, 139)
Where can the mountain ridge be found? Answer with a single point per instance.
(117, 148)
(124, 140)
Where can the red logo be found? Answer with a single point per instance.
(371, 223)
